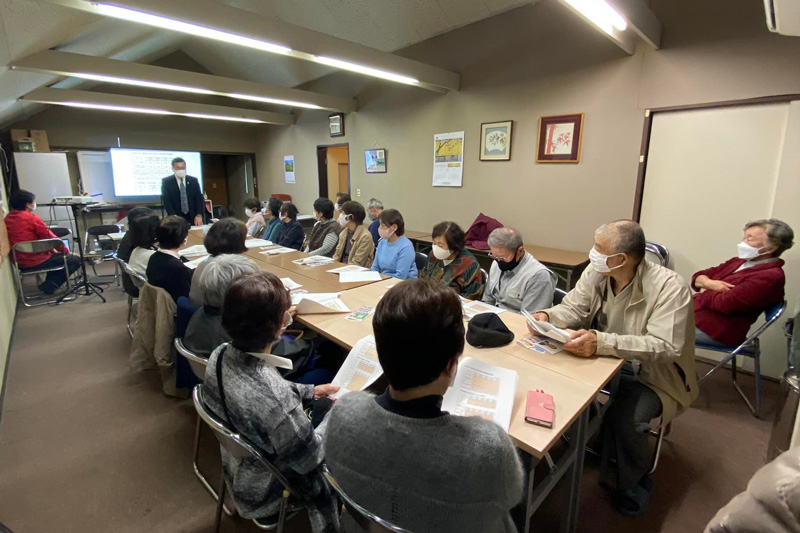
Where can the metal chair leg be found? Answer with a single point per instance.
(218, 514)
(660, 440)
(282, 512)
(200, 475)
(757, 361)
(130, 312)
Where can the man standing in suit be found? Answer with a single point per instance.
(181, 194)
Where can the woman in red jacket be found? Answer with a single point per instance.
(733, 294)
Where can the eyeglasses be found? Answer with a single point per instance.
(499, 258)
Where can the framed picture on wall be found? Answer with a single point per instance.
(560, 139)
(375, 160)
(496, 141)
(336, 124)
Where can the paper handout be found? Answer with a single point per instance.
(279, 250)
(256, 243)
(472, 308)
(483, 390)
(347, 268)
(546, 328)
(367, 275)
(196, 262)
(313, 260)
(320, 302)
(290, 284)
(197, 249)
(360, 369)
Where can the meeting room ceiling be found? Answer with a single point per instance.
(30, 26)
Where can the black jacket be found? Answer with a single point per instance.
(169, 273)
(171, 197)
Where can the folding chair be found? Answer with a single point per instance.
(241, 447)
(558, 295)
(98, 246)
(749, 348)
(35, 247)
(139, 281)
(658, 253)
(420, 260)
(366, 520)
(484, 277)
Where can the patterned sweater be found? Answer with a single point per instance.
(463, 274)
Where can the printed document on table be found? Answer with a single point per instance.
(546, 328)
(483, 390)
(256, 243)
(320, 302)
(197, 249)
(313, 260)
(473, 307)
(367, 275)
(290, 284)
(360, 369)
(276, 251)
(196, 262)
(347, 268)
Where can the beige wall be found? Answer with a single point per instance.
(8, 301)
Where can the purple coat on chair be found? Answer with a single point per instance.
(478, 232)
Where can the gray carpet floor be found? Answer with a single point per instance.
(88, 446)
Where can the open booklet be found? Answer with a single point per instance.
(484, 390)
(360, 369)
(313, 260)
(473, 307)
(197, 249)
(256, 243)
(546, 328)
(309, 303)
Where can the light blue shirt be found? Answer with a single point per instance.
(396, 258)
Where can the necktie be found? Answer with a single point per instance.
(184, 200)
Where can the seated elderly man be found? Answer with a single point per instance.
(627, 307)
(205, 332)
(375, 208)
(733, 294)
(516, 280)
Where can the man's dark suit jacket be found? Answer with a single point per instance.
(171, 197)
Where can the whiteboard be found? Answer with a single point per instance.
(46, 175)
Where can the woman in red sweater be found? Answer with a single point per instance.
(23, 225)
(732, 295)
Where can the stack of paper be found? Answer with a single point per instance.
(313, 260)
(472, 308)
(351, 277)
(197, 249)
(290, 284)
(347, 268)
(360, 369)
(547, 329)
(256, 243)
(278, 250)
(318, 303)
(195, 262)
(483, 390)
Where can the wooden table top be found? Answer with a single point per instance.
(416, 235)
(319, 273)
(543, 254)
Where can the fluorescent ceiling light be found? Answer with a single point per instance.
(222, 117)
(142, 83)
(365, 70)
(145, 110)
(115, 108)
(195, 30)
(273, 101)
(601, 14)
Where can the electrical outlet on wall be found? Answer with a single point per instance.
(358, 193)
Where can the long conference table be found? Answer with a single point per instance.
(574, 382)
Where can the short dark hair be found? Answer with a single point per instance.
(253, 311)
(20, 199)
(177, 160)
(341, 198)
(138, 212)
(252, 203)
(171, 232)
(142, 229)
(226, 236)
(393, 217)
(453, 235)
(324, 206)
(419, 329)
(274, 206)
(290, 210)
(355, 210)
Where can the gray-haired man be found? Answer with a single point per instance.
(374, 209)
(516, 280)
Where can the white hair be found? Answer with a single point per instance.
(506, 238)
(218, 274)
(374, 202)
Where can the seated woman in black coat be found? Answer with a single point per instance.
(165, 268)
(291, 234)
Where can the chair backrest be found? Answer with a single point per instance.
(36, 247)
(196, 363)
(135, 275)
(558, 296)
(484, 276)
(236, 444)
(60, 232)
(658, 253)
(771, 315)
(365, 519)
(421, 260)
(103, 229)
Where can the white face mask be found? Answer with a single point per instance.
(440, 253)
(600, 261)
(252, 212)
(343, 219)
(747, 252)
(180, 174)
(385, 233)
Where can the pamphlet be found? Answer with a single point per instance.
(321, 302)
(197, 249)
(360, 369)
(275, 251)
(367, 275)
(484, 390)
(546, 328)
(256, 243)
(347, 268)
(290, 284)
(361, 313)
(473, 307)
(541, 344)
(313, 260)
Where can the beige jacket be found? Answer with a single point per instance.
(771, 503)
(362, 247)
(659, 329)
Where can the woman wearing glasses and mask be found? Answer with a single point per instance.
(244, 388)
(451, 264)
(517, 280)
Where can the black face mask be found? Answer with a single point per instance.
(505, 266)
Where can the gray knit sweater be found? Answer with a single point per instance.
(439, 475)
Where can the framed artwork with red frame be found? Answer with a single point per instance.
(560, 138)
